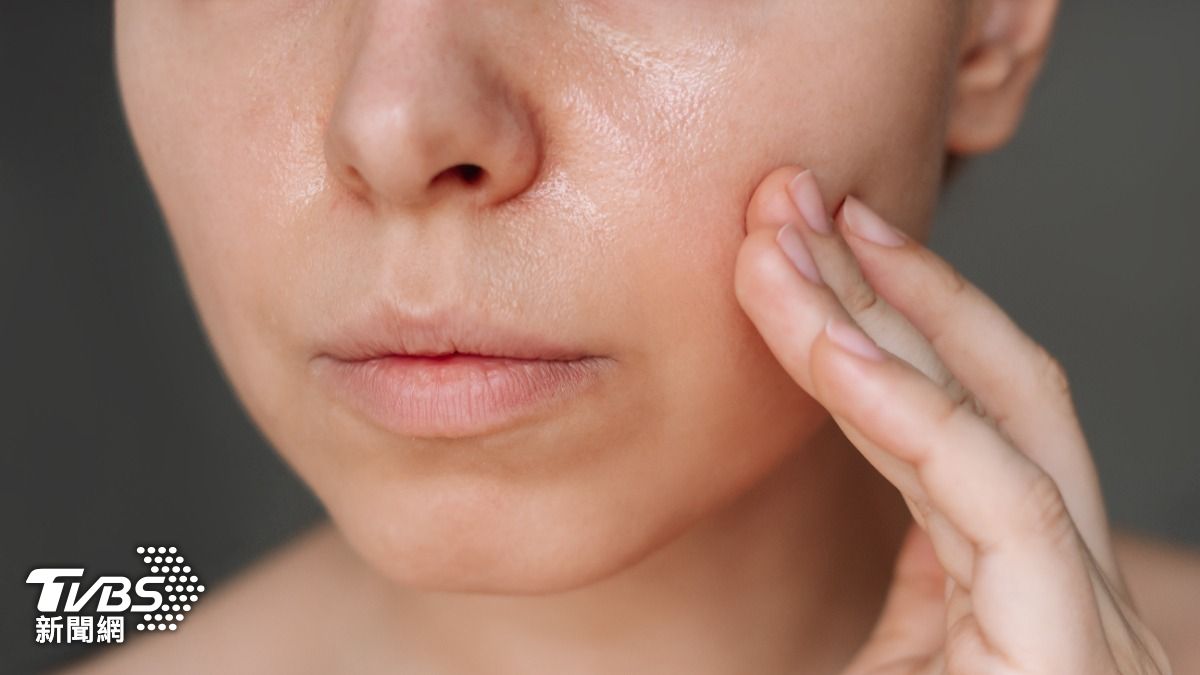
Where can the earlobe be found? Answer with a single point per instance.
(1004, 47)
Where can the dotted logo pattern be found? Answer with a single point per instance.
(183, 588)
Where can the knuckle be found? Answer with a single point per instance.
(971, 403)
(960, 402)
(962, 650)
(962, 397)
(1045, 510)
(947, 411)
(951, 282)
(859, 298)
(1052, 374)
(946, 292)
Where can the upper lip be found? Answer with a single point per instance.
(387, 330)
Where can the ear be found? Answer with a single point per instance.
(1004, 47)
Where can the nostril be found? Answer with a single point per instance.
(470, 173)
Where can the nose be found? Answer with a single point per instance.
(422, 116)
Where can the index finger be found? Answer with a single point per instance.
(775, 202)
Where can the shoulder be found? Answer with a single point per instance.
(268, 618)
(1164, 579)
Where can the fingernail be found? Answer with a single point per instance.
(852, 339)
(867, 224)
(806, 194)
(793, 247)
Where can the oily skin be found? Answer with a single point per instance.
(293, 147)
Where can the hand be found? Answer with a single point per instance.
(1009, 567)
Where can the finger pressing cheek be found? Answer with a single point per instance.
(791, 194)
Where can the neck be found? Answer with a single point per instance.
(789, 578)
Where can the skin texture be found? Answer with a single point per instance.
(303, 157)
(634, 149)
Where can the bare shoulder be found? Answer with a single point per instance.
(1164, 579)
(269, 618)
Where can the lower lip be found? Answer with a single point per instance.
(455, 396)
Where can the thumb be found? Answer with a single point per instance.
(911, 627)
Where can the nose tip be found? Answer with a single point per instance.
(424, 158)
(418, 120)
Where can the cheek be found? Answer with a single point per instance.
(868, 115)
(679, 144)
(681, 137)
(234, 156)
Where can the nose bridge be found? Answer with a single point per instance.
(423, 115)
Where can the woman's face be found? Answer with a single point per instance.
(303, 153)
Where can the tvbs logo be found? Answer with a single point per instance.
(162, 597)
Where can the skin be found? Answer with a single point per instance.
(720, 504)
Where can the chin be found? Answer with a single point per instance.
(492, 539)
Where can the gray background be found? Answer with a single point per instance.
(117, 429)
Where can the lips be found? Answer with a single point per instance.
(396, 333)
(450, 374)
